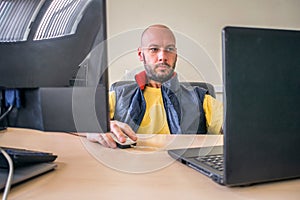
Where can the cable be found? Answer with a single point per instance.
(6, 112)
(10, 174)
(2, 126)
(12, 98)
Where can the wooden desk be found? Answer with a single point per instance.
(88, 171)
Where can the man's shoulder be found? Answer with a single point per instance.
(123, 85)
(194, 88)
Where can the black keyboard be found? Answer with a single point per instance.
(214, 161)
(24, 157)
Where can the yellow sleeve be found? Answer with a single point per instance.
(112, 103)
(214, 114)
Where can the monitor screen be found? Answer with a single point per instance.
(44, 43)
(47, 49)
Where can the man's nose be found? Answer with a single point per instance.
(162, 55)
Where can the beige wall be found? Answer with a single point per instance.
(197, 24)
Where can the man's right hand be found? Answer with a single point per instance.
(119, 129)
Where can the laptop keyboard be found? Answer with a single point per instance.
(23, 157)
(214, 161)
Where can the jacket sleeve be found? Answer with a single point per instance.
(214, 114)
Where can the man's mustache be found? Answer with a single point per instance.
(162, 65)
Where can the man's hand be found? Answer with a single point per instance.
(119, 129)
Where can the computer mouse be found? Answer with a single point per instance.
(127, 144)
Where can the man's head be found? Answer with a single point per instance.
(158, 52)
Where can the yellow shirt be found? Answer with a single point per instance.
(155, 119)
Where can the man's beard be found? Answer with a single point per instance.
(151, 74)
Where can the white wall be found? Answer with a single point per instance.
(197, 24)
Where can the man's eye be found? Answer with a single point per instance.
(154, 49)
(170, 49)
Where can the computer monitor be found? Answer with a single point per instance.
(45, 48)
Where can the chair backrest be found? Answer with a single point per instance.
(209, 87)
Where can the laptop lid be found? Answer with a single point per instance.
(261, 70)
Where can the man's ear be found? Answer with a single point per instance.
(140, 54)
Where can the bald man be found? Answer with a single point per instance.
(157, 103)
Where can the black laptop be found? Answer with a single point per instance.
(261, 75)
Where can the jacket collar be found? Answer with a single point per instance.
(141, 79)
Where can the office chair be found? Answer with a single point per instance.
(209, 87)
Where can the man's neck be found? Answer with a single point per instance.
(154, 84)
